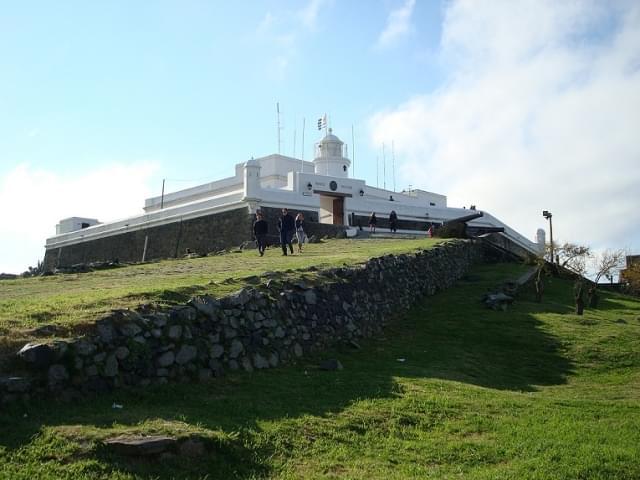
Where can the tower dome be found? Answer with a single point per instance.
(330, 159)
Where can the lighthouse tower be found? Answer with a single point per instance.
(330, 159)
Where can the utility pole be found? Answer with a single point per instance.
(547, 214)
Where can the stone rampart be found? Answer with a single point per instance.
(273, 322)
(202, 235)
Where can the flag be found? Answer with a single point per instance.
(322, 122)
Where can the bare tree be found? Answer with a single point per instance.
(574, 257)
(603, 265)
(607, 262)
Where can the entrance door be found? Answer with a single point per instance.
(338, 211)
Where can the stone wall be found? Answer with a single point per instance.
(202, 235)
(273, 322)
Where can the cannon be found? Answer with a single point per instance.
(456, 227)
(464, 219)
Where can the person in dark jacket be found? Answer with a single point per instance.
(393, 221)
(373, 221)
(287, 227)
(260, 230)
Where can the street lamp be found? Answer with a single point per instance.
(547, 214)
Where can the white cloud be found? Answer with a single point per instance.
(541, 111)
(34, 200)
(284, 32)
(266, 24)
(398, 25)
(309, 14)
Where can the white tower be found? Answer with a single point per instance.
(252, 180)
(330, 159)
(541, 239)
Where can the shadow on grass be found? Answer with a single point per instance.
(450, 336)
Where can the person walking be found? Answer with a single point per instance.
(373, 221)
(287, 227)
(300, 231)
(393, 221)
(260, 230)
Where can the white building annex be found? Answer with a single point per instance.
(322, 186)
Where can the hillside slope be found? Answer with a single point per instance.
(451, 390)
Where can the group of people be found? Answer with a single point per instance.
(287, 226)
(393, 222)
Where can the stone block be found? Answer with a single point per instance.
(185, 354)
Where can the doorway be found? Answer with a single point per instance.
(331, 209)
(338, 211)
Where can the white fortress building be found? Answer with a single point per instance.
(219, 214)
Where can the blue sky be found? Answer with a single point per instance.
(516, 106)
(194, 85)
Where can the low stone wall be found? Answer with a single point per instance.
(202, 235)
(273, 322)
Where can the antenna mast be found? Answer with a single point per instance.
(377, 171)
(353, 153)
(393, 165)
(294, 138)
(278, 115)
(384, 168)
(302, 159)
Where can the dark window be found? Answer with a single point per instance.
(84, 225)
(432, 204)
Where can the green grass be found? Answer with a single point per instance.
(532, 393)
(74, 299)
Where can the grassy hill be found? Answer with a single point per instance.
(71, 302)
(452, 390)
(73, 299)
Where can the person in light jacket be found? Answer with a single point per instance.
(300, 231)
